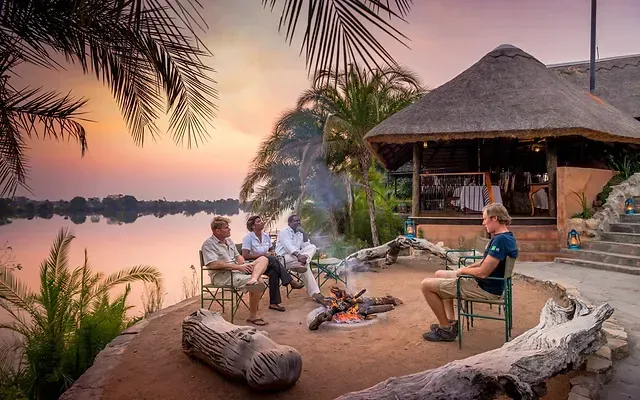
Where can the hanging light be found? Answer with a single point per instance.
(573, 240)
(630, 206)
(409, 229)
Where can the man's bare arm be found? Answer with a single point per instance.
(484, 270)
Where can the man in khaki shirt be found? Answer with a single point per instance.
(221, 255)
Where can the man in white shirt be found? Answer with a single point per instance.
(297, 255)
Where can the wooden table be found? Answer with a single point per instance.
(534, 187)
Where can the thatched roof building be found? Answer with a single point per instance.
(617, 80)
(506, 94)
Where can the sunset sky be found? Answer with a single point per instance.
(259, 76)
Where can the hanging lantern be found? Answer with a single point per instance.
(573, 240)
(630, 206)
(409, 229)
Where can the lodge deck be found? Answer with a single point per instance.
(477, 220)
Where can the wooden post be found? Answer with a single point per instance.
(415, 187)
(552, 165)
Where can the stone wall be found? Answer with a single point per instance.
(614, 205)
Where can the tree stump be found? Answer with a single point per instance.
(562, 340)
(240, 352)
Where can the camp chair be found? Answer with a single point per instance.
(328, 266)
(505, 301)
(218, 293)
(477, 253)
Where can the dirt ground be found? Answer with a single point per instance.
(336, 361)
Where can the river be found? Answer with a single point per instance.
(170, 243)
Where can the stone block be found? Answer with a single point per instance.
(575, 396)
(611, 325)
(615, 333)
(582, 391)
(604, 352)
(619, 348)
(598, 365)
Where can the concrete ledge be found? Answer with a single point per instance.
(90, 385)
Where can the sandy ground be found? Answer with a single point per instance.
(336, 361)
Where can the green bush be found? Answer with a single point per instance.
(68, 322)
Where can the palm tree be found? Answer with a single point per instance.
(69, 320)
(288, 168)
(355, 101)
(149, 54)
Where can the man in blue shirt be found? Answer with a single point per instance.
(441, 290)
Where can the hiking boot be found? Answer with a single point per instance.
(296, 284)
(441, 334)
(453, 323)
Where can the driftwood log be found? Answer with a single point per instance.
(240, 352)
(370, 258)
(562, 340)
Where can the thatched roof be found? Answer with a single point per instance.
(617, 80)
(508, 93)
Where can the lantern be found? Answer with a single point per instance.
(573, 240)
(409, 229)
(630, 206)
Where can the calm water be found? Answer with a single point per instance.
(170, 244)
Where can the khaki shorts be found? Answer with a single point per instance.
(469, 288)
(223, 278)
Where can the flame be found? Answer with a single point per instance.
(349, 317)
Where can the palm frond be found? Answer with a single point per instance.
(143, 273)
(14, 292)
(339, 32)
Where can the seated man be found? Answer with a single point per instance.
(220, 254)
(297, 255)
(258, 244)
(441, 290)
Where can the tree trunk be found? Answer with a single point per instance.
(562, 340)
(365, 164)
(240, 352)
(390, 250)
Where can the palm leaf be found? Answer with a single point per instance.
(338, 32)
(138, 273)
(14, 292)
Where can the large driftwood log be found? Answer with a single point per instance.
(562, 340)
(240, 352)
(366, 258)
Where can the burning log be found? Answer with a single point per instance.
(367, 258)
(344, 308)
(240, 352)
(563, 339)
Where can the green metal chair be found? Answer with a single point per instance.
(476, 253)
(222, 294)
(329, 268)
(506, 302)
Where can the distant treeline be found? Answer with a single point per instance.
(118, 208)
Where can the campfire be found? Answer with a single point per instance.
(344, 308)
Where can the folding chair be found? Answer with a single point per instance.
(505, 301)
(295, 274)
(329, 267)
(476, 253)
(222, 294)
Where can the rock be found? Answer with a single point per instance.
(598, 365)
(575, 396)
(615, 333)
(611, 325)
(619, 348)
(582, 391)
(604, 352)
(440, 244)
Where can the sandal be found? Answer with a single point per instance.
(277, 307)
(257, 321)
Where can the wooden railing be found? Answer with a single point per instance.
(464, 192)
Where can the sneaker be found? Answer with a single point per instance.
(441, 335)
(296, 285)
(453, 323)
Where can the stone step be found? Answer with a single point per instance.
(630, 218)
(538, 256)
(625, 227)
(612, 247)
(537, 245)
(599, 265)
(542, 232)
(621, 237)
(603, 257)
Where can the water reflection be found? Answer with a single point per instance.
(170, 244)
